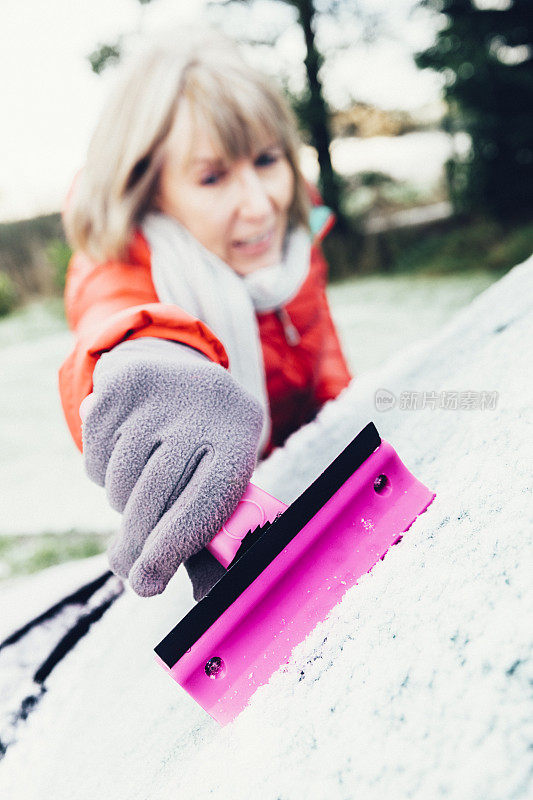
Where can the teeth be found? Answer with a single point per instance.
(255, 239)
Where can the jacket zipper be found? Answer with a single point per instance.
(292, 336)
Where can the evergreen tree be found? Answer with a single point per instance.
(485, 52)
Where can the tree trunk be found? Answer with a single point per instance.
(318, 114)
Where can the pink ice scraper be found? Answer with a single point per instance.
(287, 567)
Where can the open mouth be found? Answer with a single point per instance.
(260, 240)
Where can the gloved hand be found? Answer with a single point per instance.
(173, 438)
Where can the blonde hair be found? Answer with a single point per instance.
(120, 179)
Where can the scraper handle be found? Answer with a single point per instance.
(255, 509)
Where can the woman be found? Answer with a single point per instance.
(190, 222)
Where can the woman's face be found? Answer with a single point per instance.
(238, 210)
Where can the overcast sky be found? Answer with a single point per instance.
(50, 99)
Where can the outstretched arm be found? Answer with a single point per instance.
(109, 303)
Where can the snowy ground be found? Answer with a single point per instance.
(416, 157)
(418, 684)
(43, 485)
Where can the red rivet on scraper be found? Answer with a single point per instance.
(381, 483)
(215, 668)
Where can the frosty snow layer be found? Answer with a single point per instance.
(417, 685)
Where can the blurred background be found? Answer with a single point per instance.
(417, 119)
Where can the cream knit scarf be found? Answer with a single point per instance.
(189, 276)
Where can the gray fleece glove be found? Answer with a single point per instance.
(173, 438)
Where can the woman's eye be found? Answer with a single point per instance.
(266, 159)
(211, 178)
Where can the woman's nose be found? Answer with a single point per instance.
(254, 201)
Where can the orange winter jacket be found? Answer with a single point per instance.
(111, 302)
